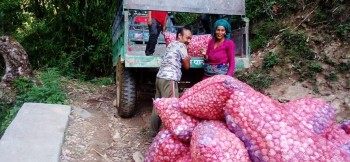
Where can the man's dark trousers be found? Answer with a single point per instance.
(154, 31)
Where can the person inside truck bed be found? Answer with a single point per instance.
(156, 22)
(169, 73)
(219, 57)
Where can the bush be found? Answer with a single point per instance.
(343, 67)
(258, 79)
(263, 32)
(269, 9)
(332, 77)
(315, 67)
(343, 32)
(270, 60)
(48, 89)
(297, 52)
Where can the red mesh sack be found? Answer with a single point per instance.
(197, 42)
(207, 98)
(166, 148)
(185, 158)
(212, 141)
(271, 134)
(178, 123)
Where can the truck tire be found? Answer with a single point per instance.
(126, 91)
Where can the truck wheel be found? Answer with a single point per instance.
(126, 91)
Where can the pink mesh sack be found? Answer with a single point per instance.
(346, 126)
(166, 148)
(185, 158)
(207, 98)
(197, 42)
(319, 114)
(178, 123)
(212, 141)
(271, 134)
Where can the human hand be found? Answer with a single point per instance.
(149, 21)
(203, 52)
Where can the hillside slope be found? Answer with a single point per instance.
(304, 53)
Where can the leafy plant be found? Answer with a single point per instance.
(297, 52)
(263, 32)
(48, 89)
(259, 80)
(332, 77)
(315, 67)
(270, 60)
(343, 31)
(343, 67)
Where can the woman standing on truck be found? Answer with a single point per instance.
(219, 57)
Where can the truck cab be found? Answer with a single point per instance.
(136, 72)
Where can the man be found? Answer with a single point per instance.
(169, 73)
(156, 23)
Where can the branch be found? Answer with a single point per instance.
(307, 16)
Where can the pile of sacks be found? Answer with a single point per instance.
(224, 119)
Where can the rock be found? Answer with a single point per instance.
(283, 99)
(138, 157)
(330, 98)
(116, 136)
(320, 79)
(347, 103)
(82, 113)
(337, 105)
(16, 61)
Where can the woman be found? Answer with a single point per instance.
(220, 54)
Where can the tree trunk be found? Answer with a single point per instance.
(16, 60)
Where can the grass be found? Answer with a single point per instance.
(258, 79)
(103, 81)
(263, 32)
(270, 60)
(332, 77)
(47, 89)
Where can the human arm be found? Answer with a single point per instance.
(231, 49)
(205, 51)
(149, 20)
(186, 62)
(164, 24)
(185, 58)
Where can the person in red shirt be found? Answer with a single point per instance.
(156, 23)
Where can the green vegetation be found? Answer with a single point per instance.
(48, 88)
(74, 36)
(270, 60)
(103, 81)
(343, 31)
(343, 68)
(332, 77)
(263, 32)
(259, 79)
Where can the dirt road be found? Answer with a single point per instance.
(95, 134)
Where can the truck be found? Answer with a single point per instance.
(136, 72)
